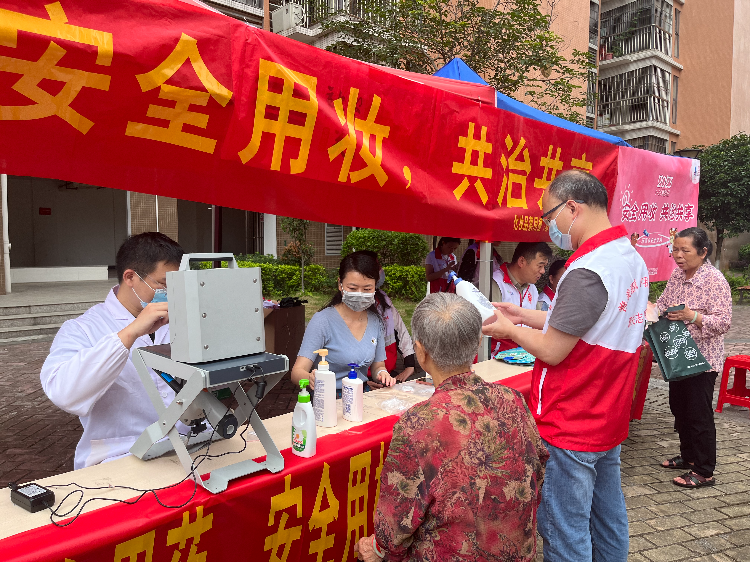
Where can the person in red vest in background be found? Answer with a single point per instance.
(586, 348)
(469, 268)
(556, 271)
(514, 282)
(439, 264)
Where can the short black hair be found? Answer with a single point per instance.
(700, 240)
(448, 240)
(574, 184)
(529, 250)
(144, 252)
(364, 262)
(556, 266)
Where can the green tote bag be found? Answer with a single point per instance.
(675, 349)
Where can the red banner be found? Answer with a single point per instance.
(166, 98)
(656, 197)
(315, 510)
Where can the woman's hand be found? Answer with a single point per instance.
(385, 378)
(312, 379)
(686, 315)
(405, 374)
(366, 550)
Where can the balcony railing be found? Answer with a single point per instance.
(632, 97)
(634, 27)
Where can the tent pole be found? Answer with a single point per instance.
(6, 242)
(485, 279)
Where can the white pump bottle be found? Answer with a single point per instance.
(324, 398)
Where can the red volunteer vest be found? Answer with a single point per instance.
(583, 404)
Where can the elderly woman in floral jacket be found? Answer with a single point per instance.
(708, 316)
(464, 469)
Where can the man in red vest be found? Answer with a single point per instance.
(586, 347)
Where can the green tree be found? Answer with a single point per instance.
(299, 248)
(725, 188)
(510, 44)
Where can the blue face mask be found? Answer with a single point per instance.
(562, 241)
(160, 295)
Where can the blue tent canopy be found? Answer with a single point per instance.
(459, 70)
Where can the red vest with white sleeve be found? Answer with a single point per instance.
(583, 403)
(511, 294)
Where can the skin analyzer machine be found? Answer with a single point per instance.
(217, 346)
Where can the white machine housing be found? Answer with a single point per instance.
(215, 314)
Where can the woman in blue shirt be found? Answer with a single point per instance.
(349, 327)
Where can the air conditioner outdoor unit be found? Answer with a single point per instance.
(287, 17)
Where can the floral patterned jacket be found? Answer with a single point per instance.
(708, 293)
(462, 477)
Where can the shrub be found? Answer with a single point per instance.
(655, 289)
(745, 253)
(280, 280)
(257, 258)
(735, 281)
(739, 265)
(405, 282)
(393, 248)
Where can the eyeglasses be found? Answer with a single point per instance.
(163, 285)
(555, 208)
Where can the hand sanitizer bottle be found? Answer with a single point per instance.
(474, 296)
(304, 437)
(324, 398)
(352, 391)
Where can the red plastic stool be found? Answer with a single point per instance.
(739, 394)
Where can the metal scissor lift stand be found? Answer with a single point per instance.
(198, 380)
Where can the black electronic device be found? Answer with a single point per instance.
(32, 497)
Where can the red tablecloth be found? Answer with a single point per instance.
(315, 509)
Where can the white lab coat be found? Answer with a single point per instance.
(89, 373)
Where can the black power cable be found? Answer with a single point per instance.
(193, 467)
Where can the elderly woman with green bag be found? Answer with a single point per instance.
(707, 315)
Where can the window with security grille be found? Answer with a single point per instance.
(637, 26)
(650, 142)
(632, 97)
(334, 239)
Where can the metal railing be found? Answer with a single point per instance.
(650, 142)
(635, 96)
(634, 27)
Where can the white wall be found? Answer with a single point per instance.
(85, 227)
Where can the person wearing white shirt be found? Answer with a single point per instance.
(514, 282)
(89, 371)
(440, 263)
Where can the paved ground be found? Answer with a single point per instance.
(666, 523)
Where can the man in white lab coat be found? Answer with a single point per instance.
(89, 371)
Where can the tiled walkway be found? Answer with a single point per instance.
(666, 523)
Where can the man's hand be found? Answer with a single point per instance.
(500, 329)
(366, 551)
(511, 311)
(405, 374)
(153, 317)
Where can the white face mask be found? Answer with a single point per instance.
(357, 301)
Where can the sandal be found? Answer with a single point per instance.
(694, 480)
(675, 463)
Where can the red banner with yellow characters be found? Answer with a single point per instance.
(168, 98)
(317, 509)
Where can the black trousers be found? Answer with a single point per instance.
(691, 402)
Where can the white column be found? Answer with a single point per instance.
(6, 242)
(269, 234)
(485, 280)
(130, 224)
